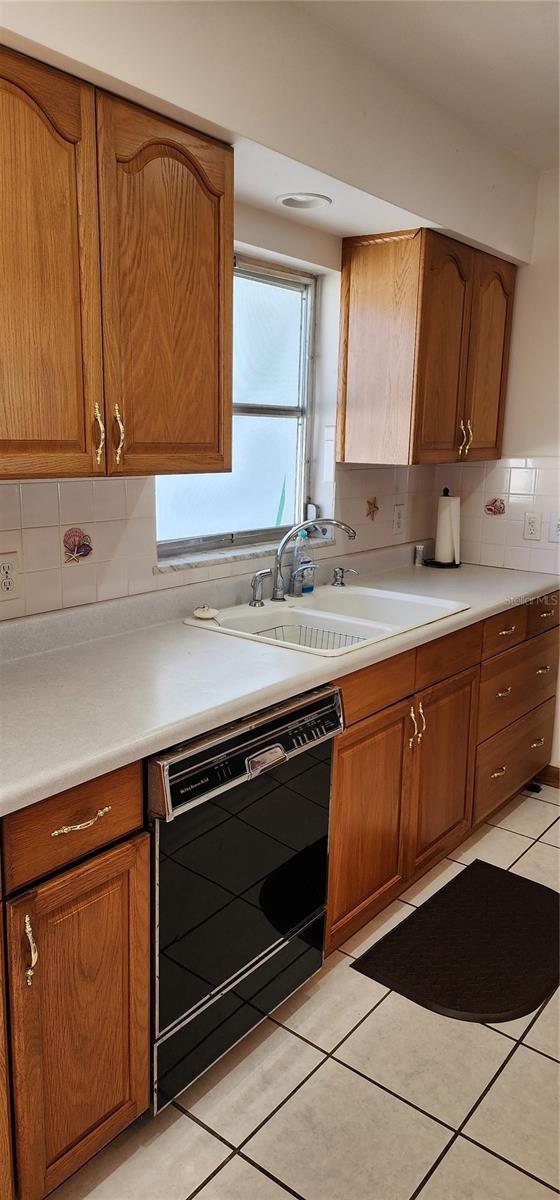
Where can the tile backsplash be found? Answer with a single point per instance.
(519, 486)
(110, 528)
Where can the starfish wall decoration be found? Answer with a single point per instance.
(372, 508)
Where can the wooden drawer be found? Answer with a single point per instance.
(504, 630)
(511, 758)
(542, 613)
(515, 682)
(40, 839)
(367, 691)
(448, 655)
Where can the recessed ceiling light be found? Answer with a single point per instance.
(304, 200)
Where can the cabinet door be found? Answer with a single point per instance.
(80, 1016)
(166, 202)
(369, 813)
(6, 1181)
(50, 342)
(442, 346)
(491, 313)
(444, 763)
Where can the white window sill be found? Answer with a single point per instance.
(215, 558)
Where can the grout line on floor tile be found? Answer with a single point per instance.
(523, 852)
(383, 1088)
(282, 1103)
(467, 1138)
(263, 1170)
(420, 1187)
(210, 1177)
(202, 1125)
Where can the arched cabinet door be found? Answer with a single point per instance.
(492, 307)
(442, 341)
(166, 201)
(50, 341)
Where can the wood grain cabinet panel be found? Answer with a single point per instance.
(166, 204)
(365, 692)
(503, 630)
(515, 682)
(369, 814)
(489, 338)
(55, 832)
(6, 1177)
(50, 339)
(543, 613)
(505, 762)
(443, 344)
(80, 1023)
(444, 756)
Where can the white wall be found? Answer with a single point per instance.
(269, 72)
(533, 412)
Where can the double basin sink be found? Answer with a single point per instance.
(332, 621)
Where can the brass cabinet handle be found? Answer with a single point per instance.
(549, 613)
(120, 447)
(101, 427)
(498, 774)
(539, 742)
(415, 725)
(423, 729)
(33, 949)
(543, 670)
(464, 441)
(471, 435)
(101, 812)
(506, 692)
(504, 632)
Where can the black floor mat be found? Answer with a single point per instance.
(483, 948)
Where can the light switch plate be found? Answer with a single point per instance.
(10, 576)
(554, 527)
(532, 527)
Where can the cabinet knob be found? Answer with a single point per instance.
(33, 949)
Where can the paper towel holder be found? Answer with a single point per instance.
(433, 562)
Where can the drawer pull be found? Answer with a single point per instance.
(120, 447)
(101, 427)
(101, 812)
(33, 948)
(464, 441)
(539, 742)
(498, 774)
(506, 692)
(549, 613)
(543, 670)
(423, 729)
(415, 727)
(504, 632)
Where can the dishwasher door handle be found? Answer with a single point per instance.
(264, 760)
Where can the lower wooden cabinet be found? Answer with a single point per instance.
(6, 1180)
(444, 755)
(79, 963)
(514, 755)
(369, 817)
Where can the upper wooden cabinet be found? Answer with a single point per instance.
(166, 214)
(425, 329)
(50, 340)
(159, 397)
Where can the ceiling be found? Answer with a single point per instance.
(261, 175)
(491, 63)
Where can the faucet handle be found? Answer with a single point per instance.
(257, 588)
(339, 573)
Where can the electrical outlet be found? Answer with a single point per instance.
(554, 527)
(10, 580)
(532, 527)
(398, 518)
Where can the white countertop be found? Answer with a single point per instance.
(69, 715)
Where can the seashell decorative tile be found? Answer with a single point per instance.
(77, 545)
(495, 507)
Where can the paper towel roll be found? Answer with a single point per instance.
(448, 529)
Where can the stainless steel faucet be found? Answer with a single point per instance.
(257, 588)
(278, 586)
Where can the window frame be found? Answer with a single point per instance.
(260, 269)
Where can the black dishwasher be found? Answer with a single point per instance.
(240, 880)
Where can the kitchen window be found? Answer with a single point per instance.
(266, 491)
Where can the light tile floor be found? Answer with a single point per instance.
(351, 1092)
